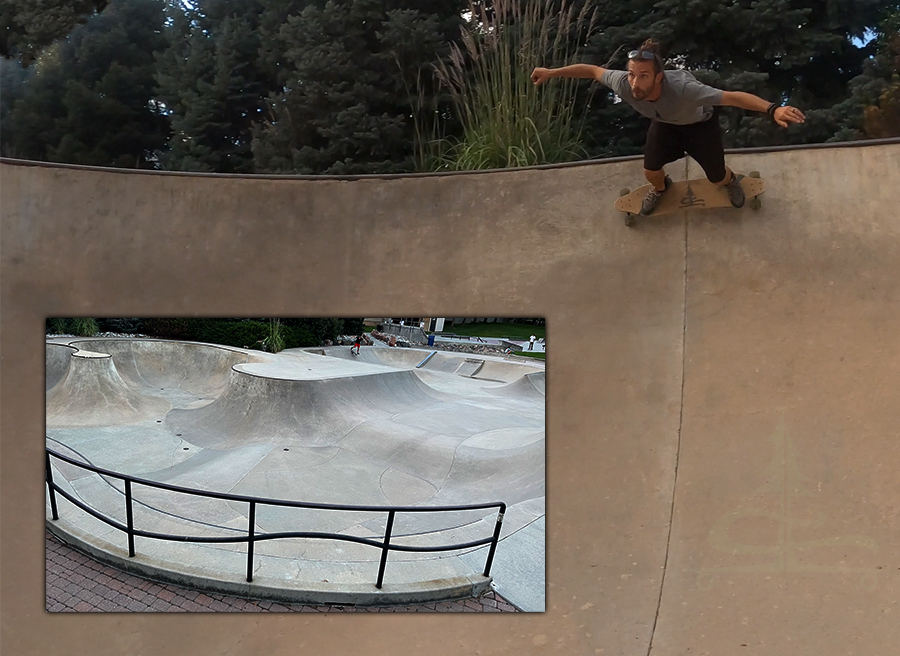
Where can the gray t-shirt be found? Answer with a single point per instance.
(683, 100)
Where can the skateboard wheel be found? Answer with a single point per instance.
(754, 174)
(624, 191)
(755, 203)
(629, 220)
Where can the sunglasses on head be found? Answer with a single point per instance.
(641, 54)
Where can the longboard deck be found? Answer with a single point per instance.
(689, 195)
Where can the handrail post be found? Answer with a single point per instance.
(494, 540)
(250, 542)
(385, 548)
(129, 518)
(53, 509)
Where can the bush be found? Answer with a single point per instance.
(169, 328)
(275, 341)
(57, 326)
(127, 326)
(353, 327)
(320, 329)
(507, 121)
(84, 327)
(242, 333)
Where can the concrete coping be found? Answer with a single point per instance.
(89, 355)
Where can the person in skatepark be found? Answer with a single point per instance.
(683, 115)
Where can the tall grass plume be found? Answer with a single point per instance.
(507, 121)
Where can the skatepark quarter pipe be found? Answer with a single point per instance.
(722, 441)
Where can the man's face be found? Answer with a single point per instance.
(641, 78)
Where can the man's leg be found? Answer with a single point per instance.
(729, 174)
(656, 178)
(663, 146)
(704, 144)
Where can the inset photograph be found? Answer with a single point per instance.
(295, 464)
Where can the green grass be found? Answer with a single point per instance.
(510, 330)
(526, 354)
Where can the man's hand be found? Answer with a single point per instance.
(787, 114)
(783, 116)
(540, 75)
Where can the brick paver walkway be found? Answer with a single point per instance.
(77, 583)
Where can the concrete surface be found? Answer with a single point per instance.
(722, 449)
(320, 426)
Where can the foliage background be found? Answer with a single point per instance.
(350, 86)
(240, 332)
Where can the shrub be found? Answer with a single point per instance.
(243, 333)
(166, 328)
(320, 329)
(353, 326)
(274, 341)
(57, 326)
(507, 121)
(127, 326)
(299, 337)
(84, 327)
(263, 334)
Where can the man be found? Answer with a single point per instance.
(683, 112)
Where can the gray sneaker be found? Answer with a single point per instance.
(651, 200)
(735, 191)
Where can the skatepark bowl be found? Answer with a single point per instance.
(395, 476)
(724, 412)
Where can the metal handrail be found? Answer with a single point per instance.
(251, 537)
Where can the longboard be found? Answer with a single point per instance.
(694, 194)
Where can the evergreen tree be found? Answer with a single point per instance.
(15, 79)
(212, 82)
(29, 26)
(878, 89)
(349, 73)
(89, 100)
(783, 50)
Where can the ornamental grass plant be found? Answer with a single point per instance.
(507, 121)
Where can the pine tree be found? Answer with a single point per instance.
(881, 116)
(15, 80)
(89, 100)
(27, 27)
(802, 52)
(348, 76)
(213, 84)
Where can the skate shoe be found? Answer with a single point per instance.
(735, 191)
(651, 200)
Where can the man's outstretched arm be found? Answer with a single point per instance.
(586, 71)
(783, 115)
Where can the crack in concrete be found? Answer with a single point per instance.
(665, 567)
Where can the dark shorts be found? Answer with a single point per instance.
(702, 141)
